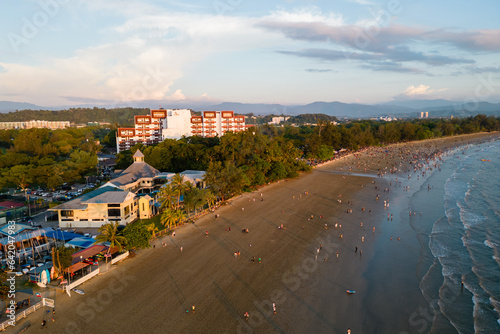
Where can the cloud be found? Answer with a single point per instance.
(420, 92)
(384, 41)
(140, 57)
(318, 70)
(362, 2)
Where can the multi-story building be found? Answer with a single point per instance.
(175, 123)
(53, 125)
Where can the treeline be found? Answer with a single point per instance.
(45, 158)
(265, 154)
(116, 116)
(320, 141)
(233, 162)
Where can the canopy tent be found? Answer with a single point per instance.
(89, 252)
(75, 267)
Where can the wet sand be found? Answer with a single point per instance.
(155, 291)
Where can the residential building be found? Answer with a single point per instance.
(53, 125)
(164, 124)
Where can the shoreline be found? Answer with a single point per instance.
(160, 284)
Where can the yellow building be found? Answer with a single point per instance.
(97, 208)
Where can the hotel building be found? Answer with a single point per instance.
(175, 123)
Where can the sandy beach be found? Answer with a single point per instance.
(312, 249)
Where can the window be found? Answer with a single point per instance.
(67, 213)
(113, 205)
(126, 210)
(114, 213)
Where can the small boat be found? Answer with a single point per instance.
(350, 291)
(80, 292)
(485, 160)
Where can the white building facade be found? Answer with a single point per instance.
(174, 123)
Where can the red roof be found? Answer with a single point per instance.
(88, 252)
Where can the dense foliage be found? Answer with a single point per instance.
(41, 157)
(137, 235)
(117, 116)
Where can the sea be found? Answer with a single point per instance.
(459, 241)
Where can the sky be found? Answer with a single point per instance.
(169, 52)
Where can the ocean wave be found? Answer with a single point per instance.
(469, 218)
(490, 244)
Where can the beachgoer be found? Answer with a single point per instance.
(246, 315)
(192, 308)
(181, 249)
(206, 233)
(356, 249)
(43, 324)
(274, 308)
(173, 234)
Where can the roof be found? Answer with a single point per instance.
(134, 172)
(26, 235)
(7, 229)
(194, 174)
(138, 154)
(82, 242)
(23, 294)
(62, 235)
(75, 267)
(37, 270)
(89, 252)
(108, 197)
(80, 203)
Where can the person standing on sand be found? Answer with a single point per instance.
(181, 249)
(274, 308)
(192, 308)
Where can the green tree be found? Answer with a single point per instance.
(109, 233)
(166, 196)
(168, 218)
(179, 186)
(138, 236)
(152, 229)
(61, 258)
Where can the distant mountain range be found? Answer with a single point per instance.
(403, 108)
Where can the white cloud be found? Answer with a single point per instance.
(421, 90)
(144, 56)
(309, 14)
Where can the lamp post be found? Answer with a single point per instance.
(81, 260)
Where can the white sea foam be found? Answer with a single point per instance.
(490, 244)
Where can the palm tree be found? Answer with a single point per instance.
(179, 186)
(179, 216)
(209, 198)
(168, 218)
(166, 196)
(152, 228)
(109, 233)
